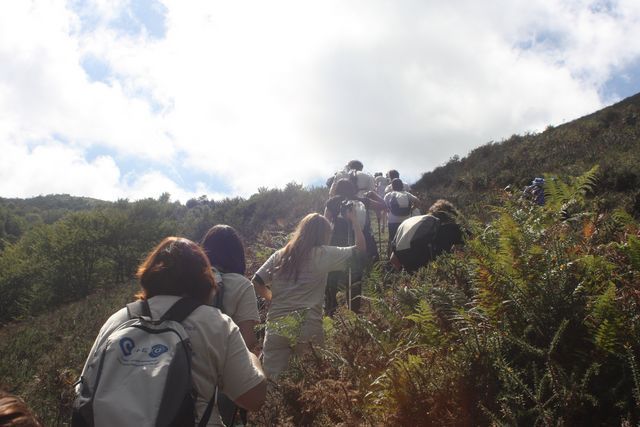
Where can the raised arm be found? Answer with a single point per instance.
(375, 201)
(361, 245)
(261, 288)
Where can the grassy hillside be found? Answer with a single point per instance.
(609, 138)
(534, 322)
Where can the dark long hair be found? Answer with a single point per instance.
(224, 248)
(177, 266)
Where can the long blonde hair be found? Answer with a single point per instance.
(314, 230)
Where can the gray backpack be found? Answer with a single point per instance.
(140, 375)
(399, 203)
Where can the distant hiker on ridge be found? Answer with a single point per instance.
(535, 191)
(353, 171)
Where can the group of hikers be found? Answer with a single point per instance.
(186, 352)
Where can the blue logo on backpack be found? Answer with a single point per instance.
(157, 350)
(127, 345)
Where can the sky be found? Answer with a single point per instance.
(134, 98)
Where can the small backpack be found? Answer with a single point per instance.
(399, 203)
(140, 375)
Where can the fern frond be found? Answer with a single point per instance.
(635, 373)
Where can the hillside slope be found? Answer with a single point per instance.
(609, 138)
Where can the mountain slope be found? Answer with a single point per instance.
(609, 137)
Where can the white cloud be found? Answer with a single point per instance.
(262, 93)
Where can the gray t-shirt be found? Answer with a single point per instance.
(239, 298)
(306, 293)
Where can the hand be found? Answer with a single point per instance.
(352, 216)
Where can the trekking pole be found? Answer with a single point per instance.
(380, 234)
(349, 279)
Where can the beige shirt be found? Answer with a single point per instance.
(239, 298)
(220, 356)
(306, 294)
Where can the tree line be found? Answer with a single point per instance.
(59, 249)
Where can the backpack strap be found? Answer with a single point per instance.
(138, 309)
(178, 312)
(207, 413)
(181, 309)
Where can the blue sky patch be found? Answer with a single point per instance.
(142, 15)
(97, 69)
(184, 177)
(624, 83)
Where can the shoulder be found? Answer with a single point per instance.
(115, 320)
(210, 320)
(333, 202)
(236, 280)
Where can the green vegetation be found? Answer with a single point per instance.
(534, 322)
(44, 265)
(609, 138)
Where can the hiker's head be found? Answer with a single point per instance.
(224, 248)
(312, 231)
(15, 413)
(345, 188)
(355, 164)
(444, 210)
(377, 174)
(392, 174)
(177, 266)
(397, 184)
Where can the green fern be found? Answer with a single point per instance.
(607, 319)
(424, 319)
(635, 373)
(560, 195)
(632, 249)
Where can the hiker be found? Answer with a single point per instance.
(297, 274)
(381, 183)
(421, 239)
(235, 296)
(342, 236)
(353, 171)
(176, 282)
(535, 191)
(14, 412)
(400, 204)
(391, 175)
